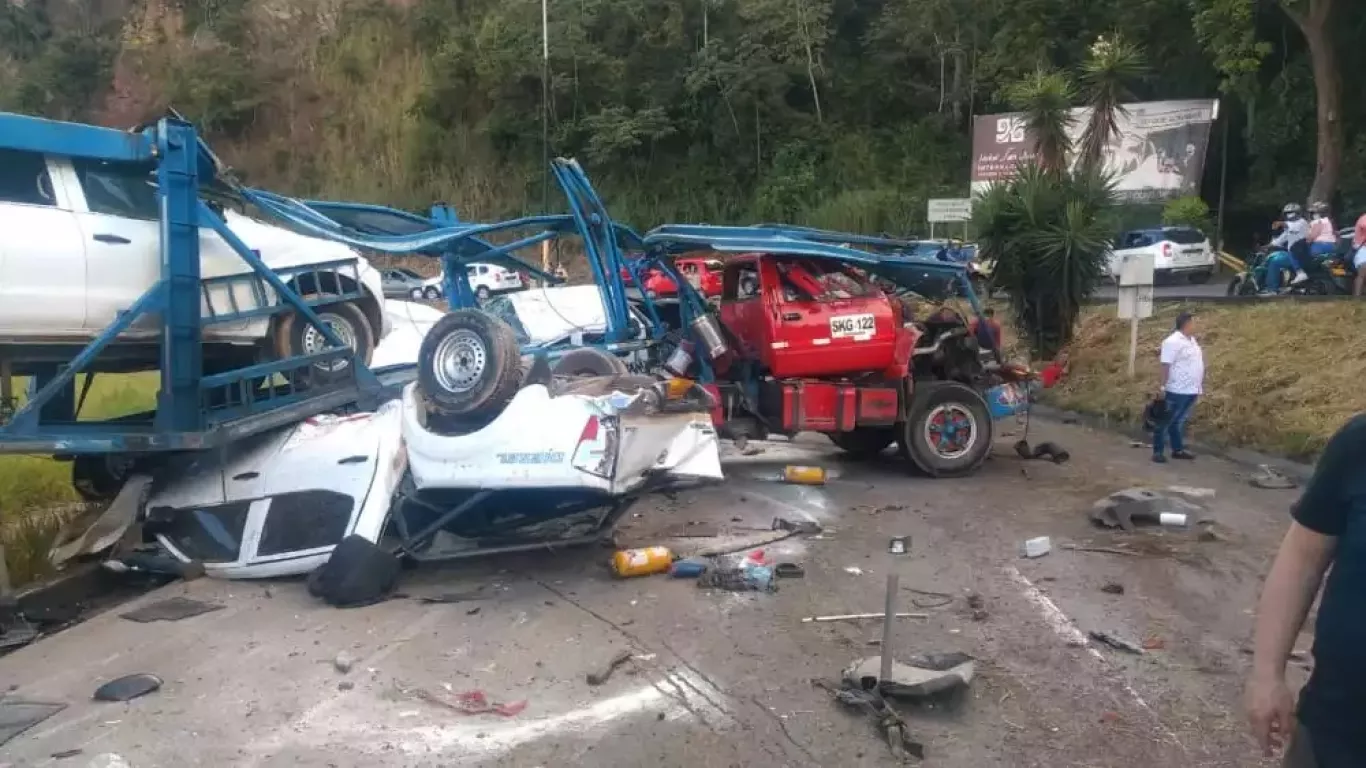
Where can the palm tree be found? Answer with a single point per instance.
(1105, 76)
(1045, 98)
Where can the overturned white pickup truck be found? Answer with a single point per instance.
(558, 464)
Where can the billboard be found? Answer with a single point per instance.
(1157, 153)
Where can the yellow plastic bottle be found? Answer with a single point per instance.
(641, 562)
(804, 475)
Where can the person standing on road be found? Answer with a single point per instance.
(1328, 528)
(1183, 380)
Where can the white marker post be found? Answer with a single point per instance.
(1135, 297)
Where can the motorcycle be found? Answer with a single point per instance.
(1331, 276)
(1249, 282)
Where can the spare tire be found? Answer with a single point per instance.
(589, 361)
(470, 364)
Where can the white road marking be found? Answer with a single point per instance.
(1067, 629)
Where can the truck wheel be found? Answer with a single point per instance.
(100, 477)
(296, 336)
(470, 363)
(864, 442)
(589, 361)
(431, 293)
(949, 432)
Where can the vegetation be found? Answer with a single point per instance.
(828, 112)
(1188, 211)
(1048, 230)
(1260, 391)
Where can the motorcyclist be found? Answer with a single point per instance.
(1293, 236)
(1323, 237)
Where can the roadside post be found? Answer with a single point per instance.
(946, 210)
(1135, 297)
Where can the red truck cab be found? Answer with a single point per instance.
(703, 272)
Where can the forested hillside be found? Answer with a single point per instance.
(844, 113)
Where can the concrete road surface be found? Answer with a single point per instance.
(720, 678)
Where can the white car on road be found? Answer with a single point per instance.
(80, 243)
(1176, 251)
(489, 279)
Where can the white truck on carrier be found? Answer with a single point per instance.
(80, 242)
(1176, 251)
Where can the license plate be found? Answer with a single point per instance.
(844, 326)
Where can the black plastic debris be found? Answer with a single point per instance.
(170, 609)
(127, 687)
(1051, 451)
(890, 725)
(358, 573)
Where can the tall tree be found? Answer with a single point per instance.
(1113, 64)
(1045, 97)
(1314, 19)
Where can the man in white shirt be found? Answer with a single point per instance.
(1183, 380)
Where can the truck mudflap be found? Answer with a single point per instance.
(599, 439)
(1006, 400)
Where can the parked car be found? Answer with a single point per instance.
(1176, 251)
(402, 283)
(703, 272)
(490, 279)
(80, 242)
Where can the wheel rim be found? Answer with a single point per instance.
(416, 293)
(314, 342)
(433, 293)
(459, 361)
(951, 431)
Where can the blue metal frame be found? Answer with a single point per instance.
(183, 419)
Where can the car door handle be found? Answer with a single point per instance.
(112, 239)
(792, 316)
(353, 460)
(247, 476)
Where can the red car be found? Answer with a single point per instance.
(703, 272)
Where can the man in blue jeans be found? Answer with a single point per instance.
(1183, 380)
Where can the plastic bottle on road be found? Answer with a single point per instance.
(641, 562)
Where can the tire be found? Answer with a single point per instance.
(301, 338)
(1200, 278)
(431, 293)
(589, 361)
(864, 442)
(100, 477)
(482, 293)
(948, 404)
(415, 293)
(1241, 286)
(470, 364)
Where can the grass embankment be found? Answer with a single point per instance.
(35, 491)
(1281, 377)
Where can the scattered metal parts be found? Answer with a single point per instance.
(1116, 642)
(127, 687)
(788, 571)
(1051, 451)
(601, 676)
(799, 528)
(889, 724)
(1269, 479)
(861, 616)
(1112, 588)
(170, 609)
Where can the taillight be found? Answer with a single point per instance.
(1166, 250)
(595, 452)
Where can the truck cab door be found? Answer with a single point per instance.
(42, 255)
(742, 307)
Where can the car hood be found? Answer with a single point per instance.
(550, 314)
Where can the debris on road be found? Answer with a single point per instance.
(929, 675)
(644, 561)
(1113, 588)
(601, 676)
(343, 662)
(978, 607)
(1116, 642)
(1051, 451)
(1135, 507)
(17, 715)
(753, 574)
(1191, 492)
(800, 475)
(853, 570)
(64, 754)
(688, 568)
(799, 528)
(1101, 550)
(1154, 643)
(474, 702)
(789, 571)
(106, 529)
(170, 609)
(1269, 479)
(127, 687)
(889, 724)
(453, 597)
(1172, 519)
(1036, 547)
(861, 616)
(899, 545)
